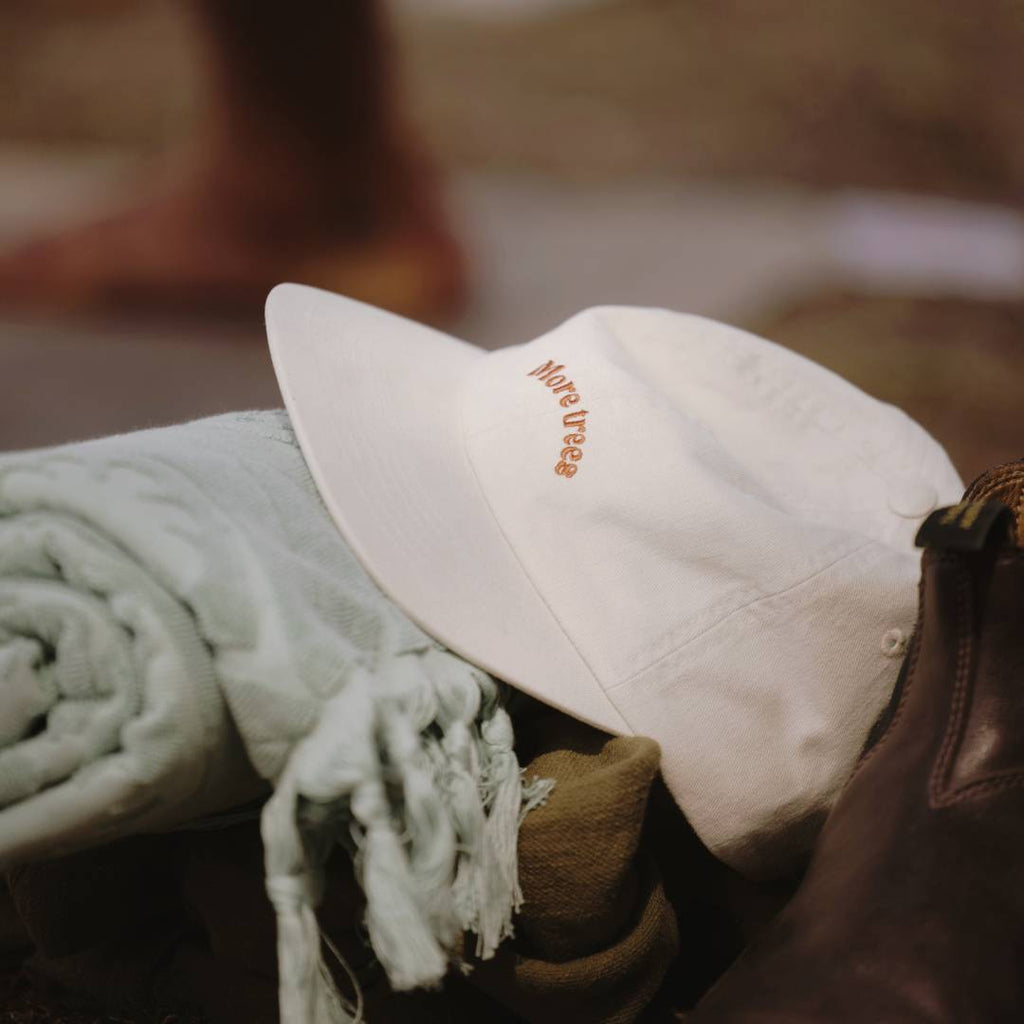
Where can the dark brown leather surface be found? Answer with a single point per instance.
(913, 906)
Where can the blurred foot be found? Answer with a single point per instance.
(217, 241)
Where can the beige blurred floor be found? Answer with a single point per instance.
(914, 95)
(781, 258)
(584, 143)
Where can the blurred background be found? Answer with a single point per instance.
(844, 177)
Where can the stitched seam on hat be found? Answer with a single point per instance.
(523, 569)
(776, 385)
(877, 458)
(743, 607)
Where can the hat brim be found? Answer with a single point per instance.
(375, 401)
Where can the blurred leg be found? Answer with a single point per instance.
(304, 92)
(303, 170)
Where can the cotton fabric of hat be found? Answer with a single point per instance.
(710, 542)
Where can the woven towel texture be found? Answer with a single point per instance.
(181, 628)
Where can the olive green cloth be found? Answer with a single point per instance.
(594, 940)
(596, 934)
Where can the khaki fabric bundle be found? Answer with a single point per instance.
(596, 935)
(594, 940)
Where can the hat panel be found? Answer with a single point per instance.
(660, 531)
(762, 717)
(835, 452)
(374, 400)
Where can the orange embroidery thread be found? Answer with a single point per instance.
(551, 374)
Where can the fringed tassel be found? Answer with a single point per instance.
(501, 834)
(513, 798)
(429, 835)
(406, 717)
(467, 810)
(306, 991)
(436, 862)
(399, 934)
(459, 700)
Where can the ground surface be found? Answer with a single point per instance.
(941, 339)
(698, 156)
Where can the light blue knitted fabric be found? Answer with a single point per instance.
(183, 628)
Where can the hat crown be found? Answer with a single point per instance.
(659, 524)
(655, 471)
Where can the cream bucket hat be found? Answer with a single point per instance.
(654, 522)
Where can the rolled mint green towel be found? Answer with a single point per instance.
(183, 629)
